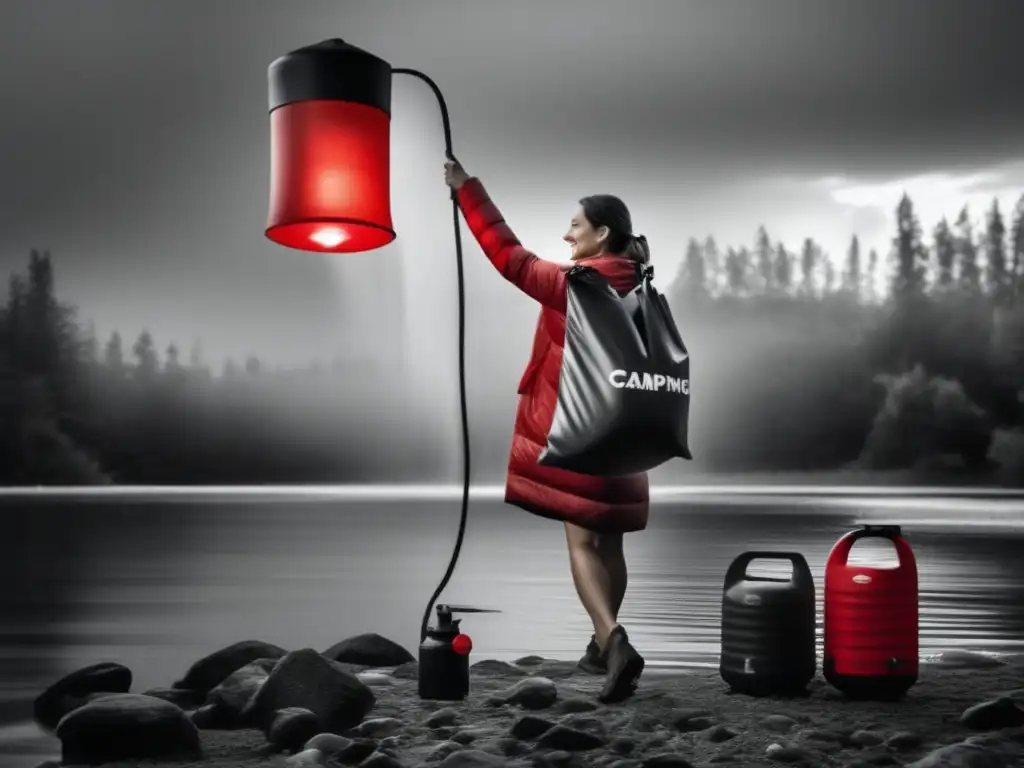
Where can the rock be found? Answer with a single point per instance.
(556, 670)
(558, 757)
(235, 691)
(990, 750)
(127, 726)
(585, 722)
(787, 754)
(572, 739)
(778, 723)
(211, 670)
(472, 758)
(666, 760)
(968, 660)
(824, 735)
(622, 745)
(408, 671)
(378, 727)
(380, 760)
(469, 735)
(442, 717)
(355, 751)
(719, 733)
(329, 744)
(292, 728)
(625, 764)
(530, 693)
(75, 690)
(992, 715)
(903, 740)
(866, 738)
(510, 746)
(375, 679)
(577, 704)
(529, 661)
(48, 764)
(529, 727)
(494, 668)
(442, 750)
(185, 698)
(214, 717)
(690, 720)
(370, 650)
(309, 758)
(307, 680)
(878, 758)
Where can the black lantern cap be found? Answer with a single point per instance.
(331, 70)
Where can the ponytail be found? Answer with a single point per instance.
(638, 250)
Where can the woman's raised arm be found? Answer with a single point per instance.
(545, 281)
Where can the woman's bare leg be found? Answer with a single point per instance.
(595, 583)
(610, 550)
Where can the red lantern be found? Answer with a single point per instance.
(330, 143)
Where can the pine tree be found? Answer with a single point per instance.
(999, 286)
(909, 251)
(852, 277)
(765, 261)
(945, 255)
(783, 269)
(735, 272)
(871, 276)
(968, 274)
(712, 266)
(1017, 250)
(113, 354)
(808, 263)
(746, 268)
(828, 274)
(694, 270)
(146, 362)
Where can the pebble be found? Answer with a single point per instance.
(536, 712)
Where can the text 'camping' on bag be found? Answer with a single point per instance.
(624, 389)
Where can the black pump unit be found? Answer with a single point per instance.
(444, 656)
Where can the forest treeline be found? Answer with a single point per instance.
(910, 360)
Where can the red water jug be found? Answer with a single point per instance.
(871, 620)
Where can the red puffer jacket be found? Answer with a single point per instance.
(603, 504)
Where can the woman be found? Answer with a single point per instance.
(596, 511)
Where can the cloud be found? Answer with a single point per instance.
(935, 194)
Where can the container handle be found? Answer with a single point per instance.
(738, 568)
(841, 551)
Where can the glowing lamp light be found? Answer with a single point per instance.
(330, 149)
(462, 645)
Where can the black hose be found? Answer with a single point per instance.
(462, 353)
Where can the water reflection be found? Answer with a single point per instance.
(155, 585)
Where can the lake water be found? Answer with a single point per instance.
(157, 578)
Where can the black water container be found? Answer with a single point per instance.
(768, 627)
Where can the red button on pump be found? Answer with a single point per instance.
(462, 645)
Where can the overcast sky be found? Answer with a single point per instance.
(134, 134)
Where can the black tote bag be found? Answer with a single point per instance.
(624, 388)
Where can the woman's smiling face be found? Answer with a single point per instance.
(583, 238)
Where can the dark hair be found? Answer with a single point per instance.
(609, 211)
